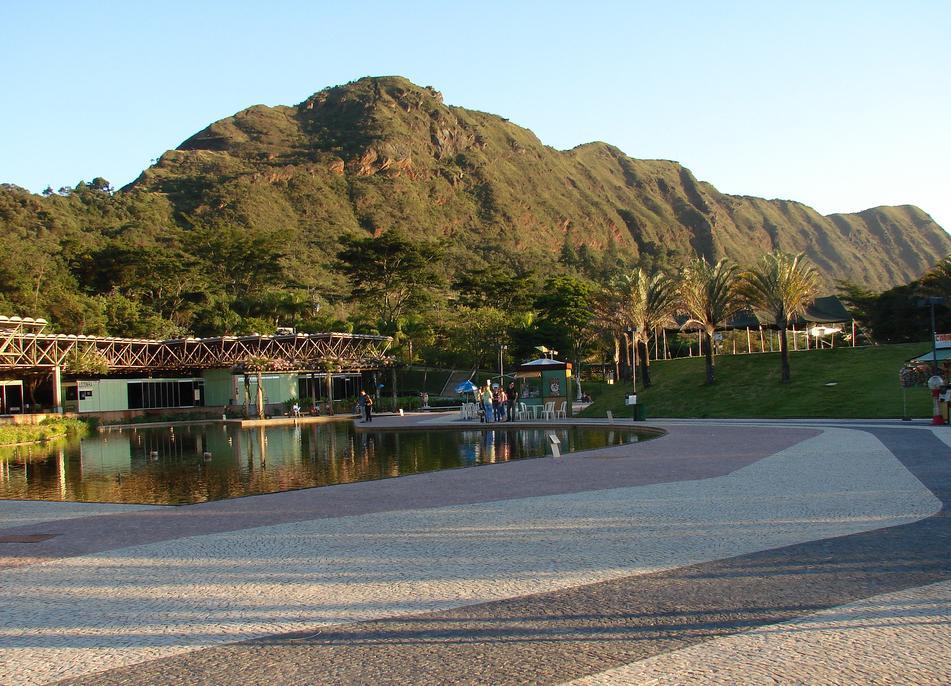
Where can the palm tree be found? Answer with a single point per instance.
(709, 296)
(649, 302)
(782, 286)
(606, 308)
(635, 304)
(937, 280)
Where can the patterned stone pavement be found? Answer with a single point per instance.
(720, 553)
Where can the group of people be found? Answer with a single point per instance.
(497, 404)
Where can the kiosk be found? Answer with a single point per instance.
(544, 381)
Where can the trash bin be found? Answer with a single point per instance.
(640, 412)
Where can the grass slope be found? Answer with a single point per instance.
(866, 386)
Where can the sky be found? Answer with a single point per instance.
(842, 105)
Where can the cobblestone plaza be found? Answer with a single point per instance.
(720, 553)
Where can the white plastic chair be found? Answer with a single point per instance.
(562, 410)
(521, 411)
(549, 411)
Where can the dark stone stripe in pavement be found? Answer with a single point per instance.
(687, 453)
(555, 637)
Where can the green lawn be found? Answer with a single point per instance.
(840, 383)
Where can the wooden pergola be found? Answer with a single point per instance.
(26, 348)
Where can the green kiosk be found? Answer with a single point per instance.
(543, 386)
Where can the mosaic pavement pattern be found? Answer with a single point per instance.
(720, 553)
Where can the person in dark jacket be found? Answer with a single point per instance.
(512, 402)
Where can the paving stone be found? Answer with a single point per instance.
(564, 584)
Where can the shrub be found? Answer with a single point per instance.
(48, 429)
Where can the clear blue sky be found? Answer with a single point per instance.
(841, 105)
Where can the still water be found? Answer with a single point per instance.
(196, 463)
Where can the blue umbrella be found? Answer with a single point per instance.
(466, 387)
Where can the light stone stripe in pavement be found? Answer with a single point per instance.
(896, 638)
(84, 614)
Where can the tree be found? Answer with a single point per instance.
(606, 306)
(644, 303)
(937, 280)
(782, 286)
(241, 261)
(709, 295)
(389, 275)
(568, 255)
(472, 335)
(565, 318)
(100, 184)
(512, 290)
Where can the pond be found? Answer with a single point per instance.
(200, 462)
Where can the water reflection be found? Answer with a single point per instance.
(196, 463)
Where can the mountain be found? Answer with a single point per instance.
(238, 228)
(383, 153)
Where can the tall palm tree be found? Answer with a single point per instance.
(652, 301)
(639, 302)
(781, 286)
(606, 308)
(709, 295)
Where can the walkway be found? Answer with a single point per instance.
(724, 552)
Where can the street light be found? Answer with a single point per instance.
(931, 301)
(631, 331)
(501, 371)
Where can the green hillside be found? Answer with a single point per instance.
(840, 383)
(383, 153)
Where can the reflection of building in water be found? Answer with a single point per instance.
(108, 453)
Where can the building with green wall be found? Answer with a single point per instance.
(213, 388)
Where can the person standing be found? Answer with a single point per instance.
(362, 405)
(486, 402)
(512, 394)
(368, 408)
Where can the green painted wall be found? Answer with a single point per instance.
(278, 388)
(107, 395)
(218, 387)
(113, 394)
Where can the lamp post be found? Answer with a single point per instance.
(631, 331)
(501, 370)
(934, 346)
